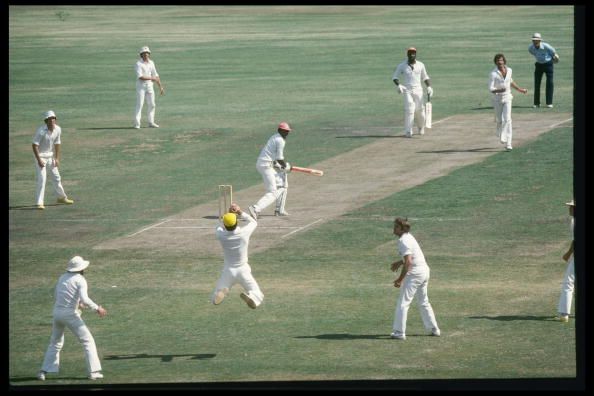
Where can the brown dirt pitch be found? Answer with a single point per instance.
(351, 180)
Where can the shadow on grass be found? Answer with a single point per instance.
(347, 336)
(49, 378)
(103, 129)
(370, 136)
(164, 358)
(509, 318)
(491, 107)
(32, 207)
(472, 150)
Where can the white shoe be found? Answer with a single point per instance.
(508, 148)
(220, 296)
(153, 125)
(279, 213)
(398, 336)
(535, 106)
(435, 332)
(248, 300)
(562, 318)
(136, 126)
(422, 131)
(408, 135)
(41, 375)
(253, 212)
(550, 106)
(95, 375)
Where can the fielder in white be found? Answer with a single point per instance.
(408, 77)
(566, 297)
(500, 83)
(46, 149)
(71, 295)
(415, 275)
(235, 240)
(146, 74)
(271, 159)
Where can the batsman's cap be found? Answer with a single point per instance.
(229, 219)
(144, 49)
(48, 114)
(284, 126)
(536, 36)
(570, 203)
(76, 264)
(411, 49)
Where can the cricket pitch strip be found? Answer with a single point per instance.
(369, 173)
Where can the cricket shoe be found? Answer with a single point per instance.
(248, 300)
(220, 296)
(153, 125)
(253, 212)
(65, 200)
(40, 207)
(562, 318)
(136, 126)
(508, 148)
(41, 375)
(421, 131)
(435, 332)
(279, 213)
(550, 106)
(398, 336)
(535, 106)
(95, 375)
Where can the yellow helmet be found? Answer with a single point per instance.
(230, 219)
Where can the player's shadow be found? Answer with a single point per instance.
(31, 378)
(371, 136)
(103, 128)
(31, 207)
(511, 318)
(471, 150)
(347, 336)
(164, 358)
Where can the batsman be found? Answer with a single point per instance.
(270, 161)
(408, 77)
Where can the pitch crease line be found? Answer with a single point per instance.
(147, 228)
(562, 122)
(302, 228)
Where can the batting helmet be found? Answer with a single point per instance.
(230, 219)
(411, 49)
(48, 114)
(284, 126)
(145, 49)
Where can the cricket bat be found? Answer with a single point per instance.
(315, 172)
(428, 112)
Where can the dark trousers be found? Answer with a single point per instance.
(539, 69)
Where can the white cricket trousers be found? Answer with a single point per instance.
(42, 178)
(272, 193)
(145, 91)
(242, 275)
(414, 110)
(503, 119)
(72, 320)
(414, 285)
(564, 307)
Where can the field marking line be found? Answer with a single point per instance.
(562, 122)
(209, 228)
(147, 228)
(301, 228)
(442, 120)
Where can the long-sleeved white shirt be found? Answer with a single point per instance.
(411, 76)
(71, 289)
(274, 149)
(235, 243)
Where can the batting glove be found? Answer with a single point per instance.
(429, 91)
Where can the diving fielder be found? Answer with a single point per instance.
(412, 72)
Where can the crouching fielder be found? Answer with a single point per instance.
(235, 240)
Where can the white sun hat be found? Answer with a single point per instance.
(145, 49)
(48, 114)
(76, 264)
(536, 36)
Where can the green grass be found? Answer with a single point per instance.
(493, 232)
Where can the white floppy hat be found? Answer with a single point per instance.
(76, 264)
(145, 49)
(536, 36)
(48, 114)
